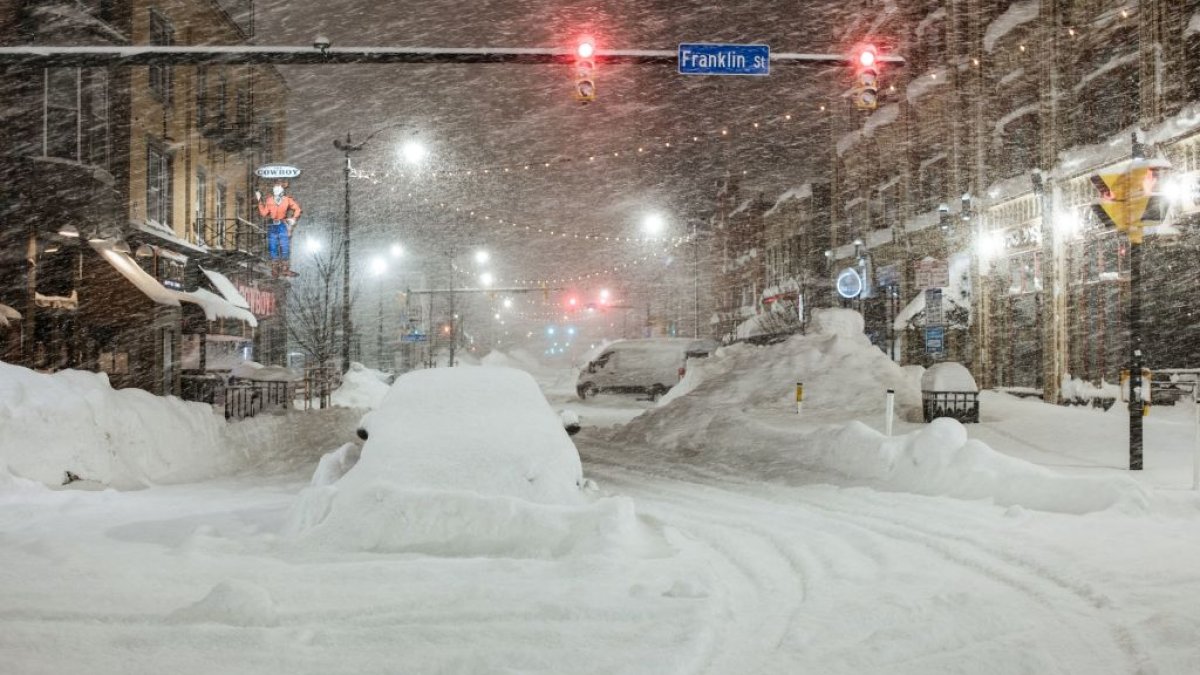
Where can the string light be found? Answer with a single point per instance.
(591, 275)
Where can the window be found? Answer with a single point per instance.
(203, 228)
(61, 131)
(219, 214)
(201, 96)
(97, 141)
(933, 180)
(162, 34)
(101, 9)
(222, 99)
(158, 184)
(889, 199)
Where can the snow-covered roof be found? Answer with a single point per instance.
(226, 288)
(1016, 14)
(999, 129)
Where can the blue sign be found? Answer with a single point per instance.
(413, 337)
(935, 341)
(711, 59)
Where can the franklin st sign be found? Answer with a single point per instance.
(718, 59)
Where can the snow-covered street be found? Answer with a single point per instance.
(718, 532)
(745, 577)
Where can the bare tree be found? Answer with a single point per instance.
(314, 316)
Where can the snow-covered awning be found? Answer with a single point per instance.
(226, 288)
(134, 274)
(8, 314)
(910, 310)
(215, 307)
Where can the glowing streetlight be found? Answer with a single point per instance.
(312, 245)
(378, 266)
(397, 250)
(486, 279)
(413, 152)
(654, 224)
(508, 303)
(482, 256)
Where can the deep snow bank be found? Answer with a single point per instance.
(463, 461)
(362, 387)
(74, 421)
(736, 410)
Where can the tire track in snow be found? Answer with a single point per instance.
(1032, 579)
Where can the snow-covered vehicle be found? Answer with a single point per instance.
(650, 366)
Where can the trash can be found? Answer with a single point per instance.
(949, 390)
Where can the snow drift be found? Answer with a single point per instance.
(362, 387)
(463, 461)
(736, 410)
(74, 421)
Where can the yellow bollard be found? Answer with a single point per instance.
(799, 396)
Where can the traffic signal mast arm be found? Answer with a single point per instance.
(146, 55)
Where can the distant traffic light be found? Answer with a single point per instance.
(585, 71)
(866, 75)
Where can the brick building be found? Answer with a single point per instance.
(126, 209)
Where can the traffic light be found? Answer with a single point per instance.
(585, 71)
(866, 76)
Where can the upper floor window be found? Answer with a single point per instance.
(159, 167)
(162, 34)
(201, 96)
(76, 115)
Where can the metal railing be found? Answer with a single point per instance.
(231, 234)
(247, 399)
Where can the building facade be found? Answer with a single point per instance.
(131, 242)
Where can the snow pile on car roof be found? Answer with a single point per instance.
(737, 410)
(74, 421)
(362, 387)
(464, 461)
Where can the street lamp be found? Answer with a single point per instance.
(653, 224)
(348, 148)
(397, 250)
(482, 256)
(378, 269)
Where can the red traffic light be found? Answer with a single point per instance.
(866, 58)
(586, 48)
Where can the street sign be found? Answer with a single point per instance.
(722, 59)
(413, 337)
(931, 273)
(270, 171)
(935, 341)
(935, 314)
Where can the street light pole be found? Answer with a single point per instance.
(453, 323)
(346, 149)
(695, 280)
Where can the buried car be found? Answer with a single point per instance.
(435, 429)
(650, 366)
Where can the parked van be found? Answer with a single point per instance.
(650, 366)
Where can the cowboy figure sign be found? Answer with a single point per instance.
(281, 212)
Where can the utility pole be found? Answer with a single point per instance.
(346, 149)
(695, 280)
(1136, 409)
(453, 322)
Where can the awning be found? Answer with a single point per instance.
(215, 307)
(8, 314)
(226, 288)
(137, 276)
(910, 310)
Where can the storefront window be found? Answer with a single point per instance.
(1025, 273)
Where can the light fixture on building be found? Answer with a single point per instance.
(145, 251)
(68, 231)
(52, 247)
(121, 247)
